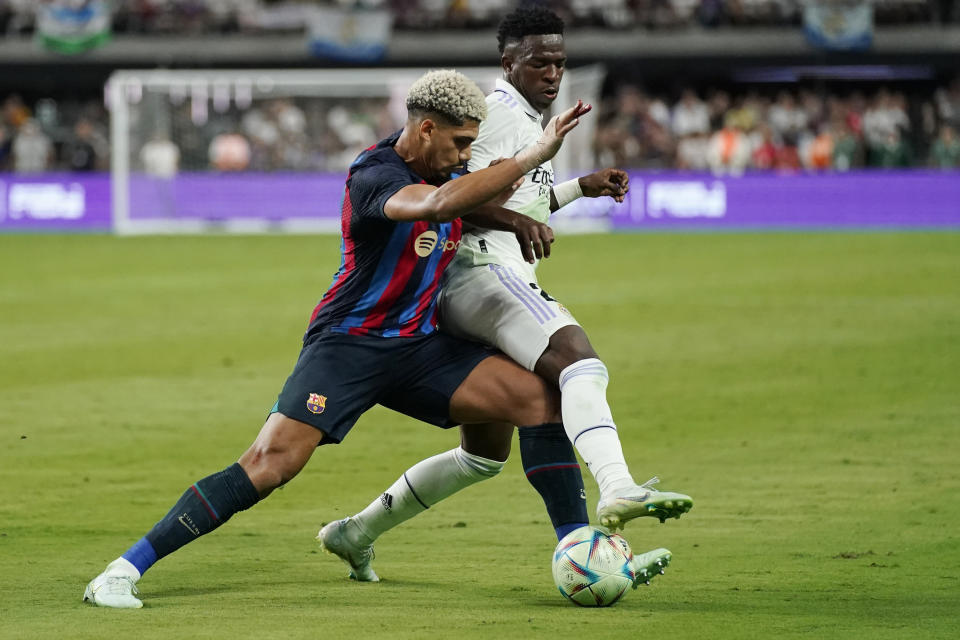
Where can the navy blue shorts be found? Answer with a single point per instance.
(338, 377)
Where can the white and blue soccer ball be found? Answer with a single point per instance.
(593, 568)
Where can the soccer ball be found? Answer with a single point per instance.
(593, 568)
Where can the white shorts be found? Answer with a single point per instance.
(501, 306)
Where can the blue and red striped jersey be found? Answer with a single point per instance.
(389, 275)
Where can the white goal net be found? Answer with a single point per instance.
(263, 150)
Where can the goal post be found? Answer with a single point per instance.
(257, 150)
(577, 153)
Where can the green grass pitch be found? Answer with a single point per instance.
(803, 388)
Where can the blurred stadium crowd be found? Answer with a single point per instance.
(271, 16)
(718, 130)
(48, 135)
(789, 130)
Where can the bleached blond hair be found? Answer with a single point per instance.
(449, 94)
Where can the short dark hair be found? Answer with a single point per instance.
(533, 20)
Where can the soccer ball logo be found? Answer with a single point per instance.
(592, 568)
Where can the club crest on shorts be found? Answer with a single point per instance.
(316, 403)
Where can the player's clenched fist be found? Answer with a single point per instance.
(606, 182)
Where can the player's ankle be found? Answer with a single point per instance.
(614, 483)
(356, 533)
(121, 567)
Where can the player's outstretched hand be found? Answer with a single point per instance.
(606, 182)
(552, 138)
(534, 237)
(560, 125)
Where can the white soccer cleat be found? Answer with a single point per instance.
(335, 538)
(649, 565)
(112, 590)
(641, 500)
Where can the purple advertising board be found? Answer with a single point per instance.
(876, 199)
(54, 202)
(229, 196)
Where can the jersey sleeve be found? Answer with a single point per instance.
(370, 188)
(497, 137)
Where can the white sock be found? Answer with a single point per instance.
(422, 486)
(589, 423)
(122, 567)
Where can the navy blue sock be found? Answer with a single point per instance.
(205, 506)
(552, 468)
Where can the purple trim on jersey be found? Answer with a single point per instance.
(506, 98)
(522, 291)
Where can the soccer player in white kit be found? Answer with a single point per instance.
(490, 293)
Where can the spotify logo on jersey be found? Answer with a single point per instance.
(427, 241)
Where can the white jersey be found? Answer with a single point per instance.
(511, 126)
(489, 293)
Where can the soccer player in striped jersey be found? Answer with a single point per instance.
(373, 340)
(490, 293)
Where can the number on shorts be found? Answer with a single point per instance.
(544, 294)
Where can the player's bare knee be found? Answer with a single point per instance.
(270, 466)
(263, 475)
(491, 440)
(568, 345)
